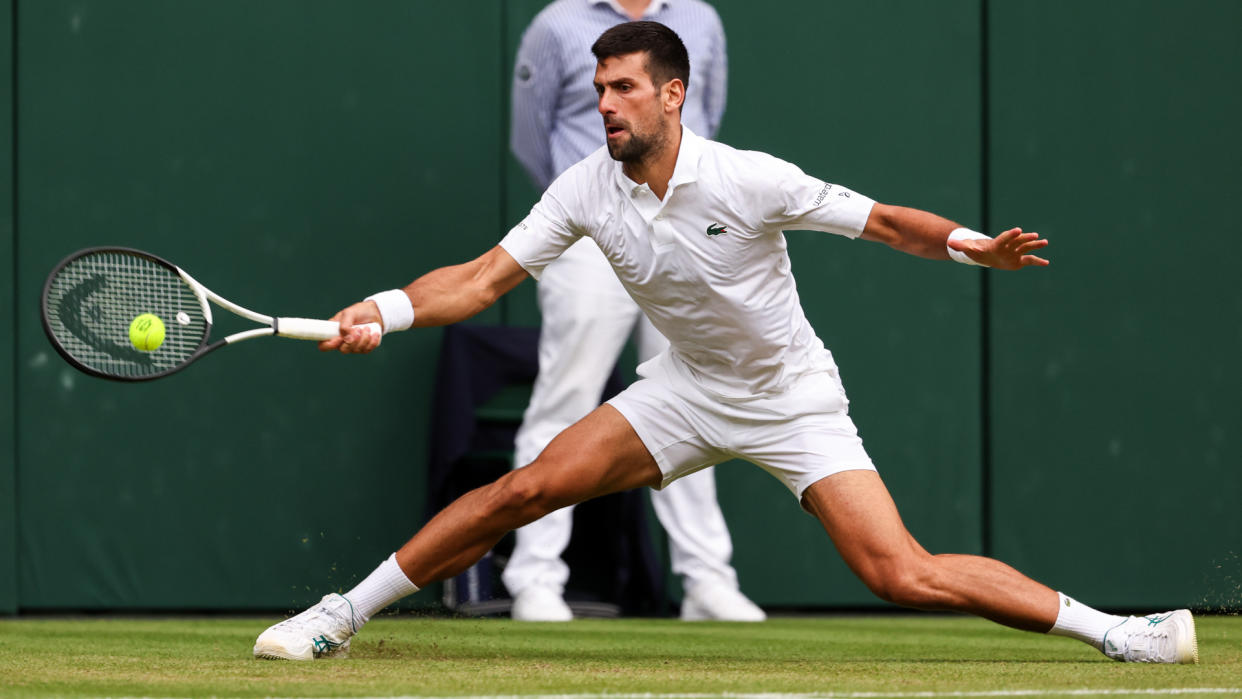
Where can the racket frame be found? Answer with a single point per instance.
(297, 328)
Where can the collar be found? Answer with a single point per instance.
(684, 172)
(653, 8)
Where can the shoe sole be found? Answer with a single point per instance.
(1187, 652)
(268, 652)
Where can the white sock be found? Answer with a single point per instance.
(1077, 620)
(385, 585)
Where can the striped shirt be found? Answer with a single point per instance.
(556, 121)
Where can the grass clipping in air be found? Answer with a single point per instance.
(414, 656)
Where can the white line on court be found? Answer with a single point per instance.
(1084, 692)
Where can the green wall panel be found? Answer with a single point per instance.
(8, 395)
(1116, 438)
(812, 84)
(294, 156)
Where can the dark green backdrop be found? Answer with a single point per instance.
(1078, 422)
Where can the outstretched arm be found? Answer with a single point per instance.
(440, 297)
(927, 235)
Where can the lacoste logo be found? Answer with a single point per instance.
(1067, 601)
(717, 229)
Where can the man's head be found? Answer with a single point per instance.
(666, 56)
(641, 77)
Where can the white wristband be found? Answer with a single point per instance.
(964, 234)
(395, 308)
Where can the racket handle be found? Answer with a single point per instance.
(311, 329)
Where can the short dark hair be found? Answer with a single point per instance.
(666, 55)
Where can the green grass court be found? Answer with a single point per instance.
(917, 655)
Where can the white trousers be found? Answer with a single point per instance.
(587, 318)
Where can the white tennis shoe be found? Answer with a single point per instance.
(540, 603)
(323, 631)
(718, 602)
(1155, 638)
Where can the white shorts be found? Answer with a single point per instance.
(799, 436)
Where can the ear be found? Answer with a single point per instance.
(673, 94)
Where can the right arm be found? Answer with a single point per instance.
(717, 82)
(536, 88)
(441, 297)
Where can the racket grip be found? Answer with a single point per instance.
(311, 329)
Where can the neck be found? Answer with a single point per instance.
(634, 8)
(657, 168)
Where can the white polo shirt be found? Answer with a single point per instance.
(709, 264)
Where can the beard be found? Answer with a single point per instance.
(638, 146)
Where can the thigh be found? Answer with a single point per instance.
(860, 516)
(598, 455)
(671, 429)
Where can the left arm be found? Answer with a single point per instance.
(925, 234)
(717, 82)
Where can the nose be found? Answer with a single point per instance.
(605, 103)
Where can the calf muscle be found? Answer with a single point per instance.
(861, 518)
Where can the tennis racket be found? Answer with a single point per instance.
(93, 297)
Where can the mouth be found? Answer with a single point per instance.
(613, 130)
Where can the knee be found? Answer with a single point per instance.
(908, 582)
(523, 494)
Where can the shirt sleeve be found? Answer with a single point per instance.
(802, 202)
(545, 233)
(536, 83)
(717, 80)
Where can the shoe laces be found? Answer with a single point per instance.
(334, 609)
(1149, 640)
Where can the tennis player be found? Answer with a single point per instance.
(693, 230)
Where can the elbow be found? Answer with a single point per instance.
(483, 298)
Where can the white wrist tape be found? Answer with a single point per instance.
(965, 234)
(395, 308)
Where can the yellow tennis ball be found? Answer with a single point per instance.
(146, 332)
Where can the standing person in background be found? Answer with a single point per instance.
(588, 316)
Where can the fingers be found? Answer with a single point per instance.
(1033, 245)
(359, 339)
(1020, 245)
(359, 330)
(1009, 235)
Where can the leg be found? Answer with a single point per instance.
(700, 549)
(699, 542)
(862, 520)
(860, 516)
(698, 538)
(598, 455)
(587, 317)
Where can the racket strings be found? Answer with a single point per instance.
(93, 299)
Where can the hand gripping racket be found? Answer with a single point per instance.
(93, 297)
